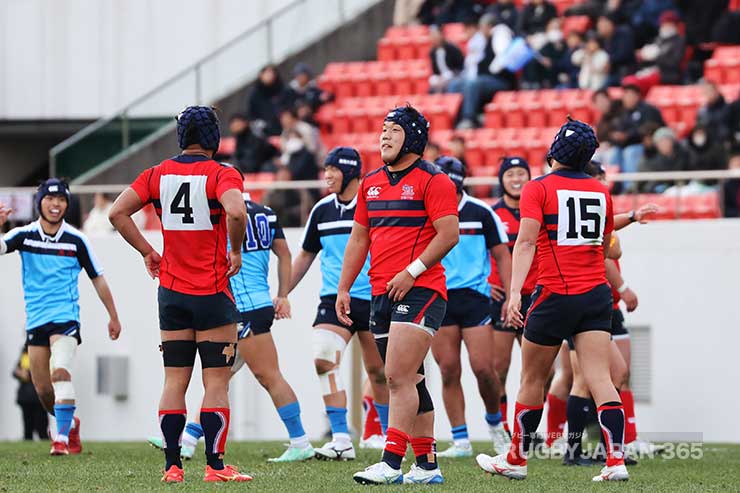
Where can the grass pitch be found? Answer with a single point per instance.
(136, 467)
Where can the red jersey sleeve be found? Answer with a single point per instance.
(609, 228)
(532, 202)
(228, 178)
(361, 208)
(141, 186)
(440, 198)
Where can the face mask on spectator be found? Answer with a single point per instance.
(294, 144)
(699, 139)
(554, 35)
(667, 30)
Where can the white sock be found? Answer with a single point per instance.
(342, 438)
(300, 442)
(462, 442)
(189, 440)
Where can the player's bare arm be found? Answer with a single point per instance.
(641, 215)
(607, 244)
(126, 205)
(617, 282)
(236, 224)
(354, 258)
(524, 250)
(615, 248)
(301, 264)
(502, 256)
(281, 303)
(105, 295)
(448, 233)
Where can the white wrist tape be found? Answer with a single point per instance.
(416, 268)
(621, 289)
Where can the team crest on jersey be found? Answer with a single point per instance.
(408, 192)
(373, 192)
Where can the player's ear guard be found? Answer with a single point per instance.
(178, 354)
(216, 354)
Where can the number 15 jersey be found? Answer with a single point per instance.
(575, 212)
(185, 193)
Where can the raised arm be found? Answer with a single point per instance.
(281, 303)
(641, 215)
(105, 295)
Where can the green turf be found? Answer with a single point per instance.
(136, 467)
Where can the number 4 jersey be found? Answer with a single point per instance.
(185, 193)
(575, 212)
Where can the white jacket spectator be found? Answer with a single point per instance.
(594, 63)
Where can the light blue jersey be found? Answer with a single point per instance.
(327, 231)
(468, 264)
(249, 287)
(51, 267)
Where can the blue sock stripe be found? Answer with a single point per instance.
(493, 418)
(382, 410)
(460, 432)
(195, 430)
(337, 419)
(291, 416)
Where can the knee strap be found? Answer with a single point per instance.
(216, 354)
(178, 354)
(425, 400)
(328, 346)
(62, 353)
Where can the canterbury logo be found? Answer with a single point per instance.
(402, 309)
(373, 192)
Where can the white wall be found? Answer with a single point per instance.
(685, 273)
(89, 58)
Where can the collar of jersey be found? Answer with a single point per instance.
(190, 158)
(399, 174)
(464, 200)
(571, 173)
(339, 205)
(46, 237)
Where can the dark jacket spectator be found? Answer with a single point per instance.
(705, 151)
(253, 152)
(550, 69)
(35, 418)
(447, 61)
(671, 156)
(714, 113)
(666, 52)
(733, 124)
(611, 111)
(636, 113)
(700, 17)
(619, 44)
(300, 161)
(535, 16)
(303, 88)
(645, 19)
(266, 98)
(506, 12)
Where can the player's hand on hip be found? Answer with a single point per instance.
(498, 293)
(342, 308)
(282, 308)
(235, 263)
(114, 329)
(4, 213)
(504, 310)
(513, 311)
(630, 299)
(152, 261)
(400, 285)
(642, 214)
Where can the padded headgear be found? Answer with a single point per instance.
(348, 161)
(574, 145)
(508, 163)
(453, 168)
(198, 125)
(52, 186)
(415, 129)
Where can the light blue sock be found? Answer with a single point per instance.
(64, 414)
(460, 432)
(338, 419)
(382, 410)
(493, 419)
(291, 416)
(195, 430)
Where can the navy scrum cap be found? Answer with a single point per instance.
(348, 161)
(415, 129)
(198, 125)
(453, 168)
(574, 145)
(52, 186)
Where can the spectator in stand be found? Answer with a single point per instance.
(484, 73)
(457, 148)
(700, 18)
(506, 12)
(611, 114)
(617, 42)
(733, 124)
(627, 150)
(714, 112)
(549, 69)
(265, 100)
(297, 158)
(254, 153)
(303, 88)
(97, 221)
(731, 188)
(705, 150)
(574, 42)
(35, 417)
(671, 156)
(291, 124)
(535, 16)
(447, 59)
(664, 56)
(594, 63)
(306, 113)
(647, 130)
(645, 19)
(447, 11)
(432, 151)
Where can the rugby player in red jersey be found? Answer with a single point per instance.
(199, 202)
(406, 216)
(567, 217)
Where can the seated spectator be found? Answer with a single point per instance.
(617, 42)
(610, 120)
(457, 148)
(305, 113)
(445, 11)
(506, 12)
(265, 99)
(645, 19)
(647, 130)
(671, 156)
(732, 124)
(706, 151)
(447, 61)
(97, 220)
(297, 158)
(627, 150)
(432, 151)
(549, 69)
(731, 188)
(484, 73)
(303, 87)
(662, 59)
(714, 112)
(291, 124)
(535, 16)
(254, 153)
(574, 42)
(594, 63)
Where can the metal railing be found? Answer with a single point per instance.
(219, 73)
